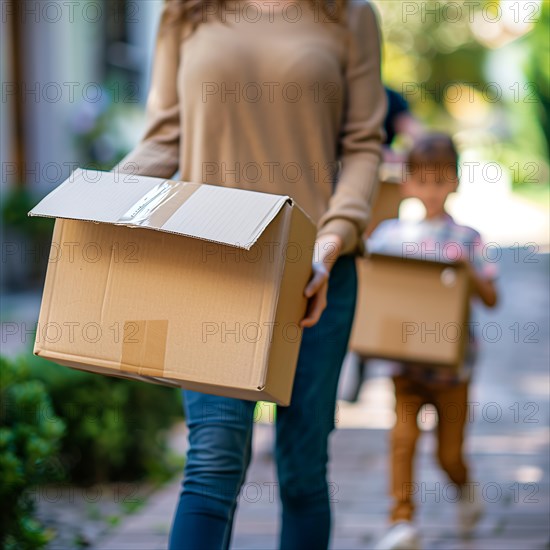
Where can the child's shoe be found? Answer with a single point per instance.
(470, 509)
(402, 535)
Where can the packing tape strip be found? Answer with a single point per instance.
(158, 205)
(144, 347)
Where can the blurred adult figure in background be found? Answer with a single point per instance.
(399, 123)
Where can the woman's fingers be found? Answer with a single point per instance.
(316, 306)
(315, 283)
(316, 291)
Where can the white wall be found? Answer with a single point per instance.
(64, 61)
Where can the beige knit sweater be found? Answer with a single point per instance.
(272, 100)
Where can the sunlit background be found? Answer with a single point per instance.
(74, 81)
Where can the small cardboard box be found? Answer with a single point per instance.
(176, 283)
(411, 310)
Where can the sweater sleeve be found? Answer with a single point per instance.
(157, 153)
(362, 134)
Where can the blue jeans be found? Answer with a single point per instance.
(220, 436)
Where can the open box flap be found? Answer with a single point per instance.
(233, 217)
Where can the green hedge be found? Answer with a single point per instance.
(59, 424)
(30, 435)
(115, 428)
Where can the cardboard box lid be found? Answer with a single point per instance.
(233, 217)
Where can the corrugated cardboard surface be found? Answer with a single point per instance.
(168, 308)
(411, 310)
(284, 351)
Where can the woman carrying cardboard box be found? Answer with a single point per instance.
(282, 97)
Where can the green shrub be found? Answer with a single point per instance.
(34, 238)
(115, 428)
(30, 434)
(15, 207)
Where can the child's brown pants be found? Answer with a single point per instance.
(451, 405)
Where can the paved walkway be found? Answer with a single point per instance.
(507, 444)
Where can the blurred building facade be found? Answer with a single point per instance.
(64, 66)
(74, 82)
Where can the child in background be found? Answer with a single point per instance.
(432, 167)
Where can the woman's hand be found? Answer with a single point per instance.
(316, 292)
(327, 250)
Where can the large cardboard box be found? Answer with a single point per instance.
(177, 283)
(411, 310)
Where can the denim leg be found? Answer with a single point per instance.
(303, 427)
(220, 436)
